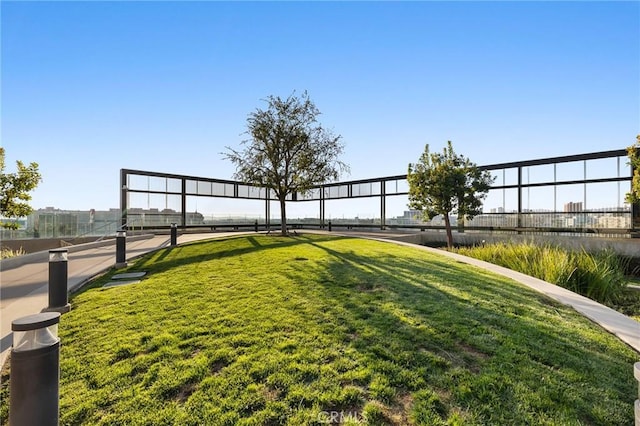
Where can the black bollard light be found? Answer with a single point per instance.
(35, 370)
(58, 277)
(174, 234)
(329, 226)
(256, 225)
(121, 249)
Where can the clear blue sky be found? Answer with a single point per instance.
(89, 88)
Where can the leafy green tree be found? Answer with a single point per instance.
(446, 183)
(634, 159)
(288, 150)
(15, 188)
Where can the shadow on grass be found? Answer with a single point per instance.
(499, 336)
(413, 331)
(170, 258)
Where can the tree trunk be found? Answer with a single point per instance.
(447, 224)
(283, 216)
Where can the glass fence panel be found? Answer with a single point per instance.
(624, 166)
(361, 211)
(137, 200)
(398, 186)
(138, 182)
(572, 220)
(499, 220)
(538, 174)
(498, 177)
(146, 201)
(602, 168)
(192, 187)
(243, 191)
(334, 192)
(257, 192)
(613, 221)
(623, 189)
(501, 201)
(204, 188)
(157, 184)
(570, 198)
(362, 189)
(403, 186)
(174, 185)
(313, 194)
(217, 189)
(511, 176)
(538, 198)
(376, 188)
(305, 212)
(604, 197)
(573, 170)
(229, 190)
(157, 201)
(391, 187)
(223, 212)
(397, 211)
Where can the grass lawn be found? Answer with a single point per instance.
(262, 330)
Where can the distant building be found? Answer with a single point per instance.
(572, 207)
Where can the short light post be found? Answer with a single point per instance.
(256, 225)
(329, 226)
(121, 249)
(174, 234)
(35, 370)
(58, 277)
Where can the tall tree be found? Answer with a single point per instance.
(445, 183)
(634, 160)
(288, 150)
(14, 190)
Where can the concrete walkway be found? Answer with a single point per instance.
(24, 288)
(625, 328)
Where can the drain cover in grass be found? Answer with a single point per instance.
(120, 283)
(128, 275)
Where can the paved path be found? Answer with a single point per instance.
(24, 283)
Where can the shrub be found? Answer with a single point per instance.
(6, 253)
(599, 276)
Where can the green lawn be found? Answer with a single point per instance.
(264, 330)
